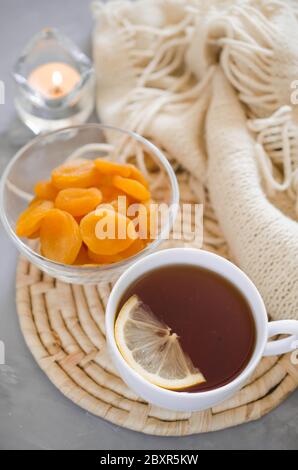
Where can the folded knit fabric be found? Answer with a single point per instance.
(163, 66)
(264, 241)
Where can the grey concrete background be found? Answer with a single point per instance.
(33, 414)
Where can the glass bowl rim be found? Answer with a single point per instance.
(41, 260)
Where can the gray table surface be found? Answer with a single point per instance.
(33, 414)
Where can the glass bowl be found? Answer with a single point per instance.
(36, 160)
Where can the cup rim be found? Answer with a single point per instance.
(37, 258)
(111, 311)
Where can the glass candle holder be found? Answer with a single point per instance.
(54, 83)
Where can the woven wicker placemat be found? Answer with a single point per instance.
(63, 326)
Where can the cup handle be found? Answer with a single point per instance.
(282, 346)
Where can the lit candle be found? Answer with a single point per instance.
(57, 80)
(54, 80)
(51, 67)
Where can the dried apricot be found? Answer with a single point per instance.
(30, 220)
(79, 218)
(132, 187)
(121, 204)
(137, 246)
(34, 235)
(110, 193)
(78, 173)
(136, 174)
(60, 237)
(145, 218)
(106, 232)
(35, 201)
(78, 201)
(84, 208)
(107, 167)
(82, 257)
(45, 190)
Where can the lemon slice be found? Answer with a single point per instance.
(151, 349)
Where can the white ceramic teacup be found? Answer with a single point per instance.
(184, 401)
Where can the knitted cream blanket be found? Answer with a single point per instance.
(214, 84)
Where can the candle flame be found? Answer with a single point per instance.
(57, 79)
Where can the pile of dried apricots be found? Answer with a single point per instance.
(66, 210)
